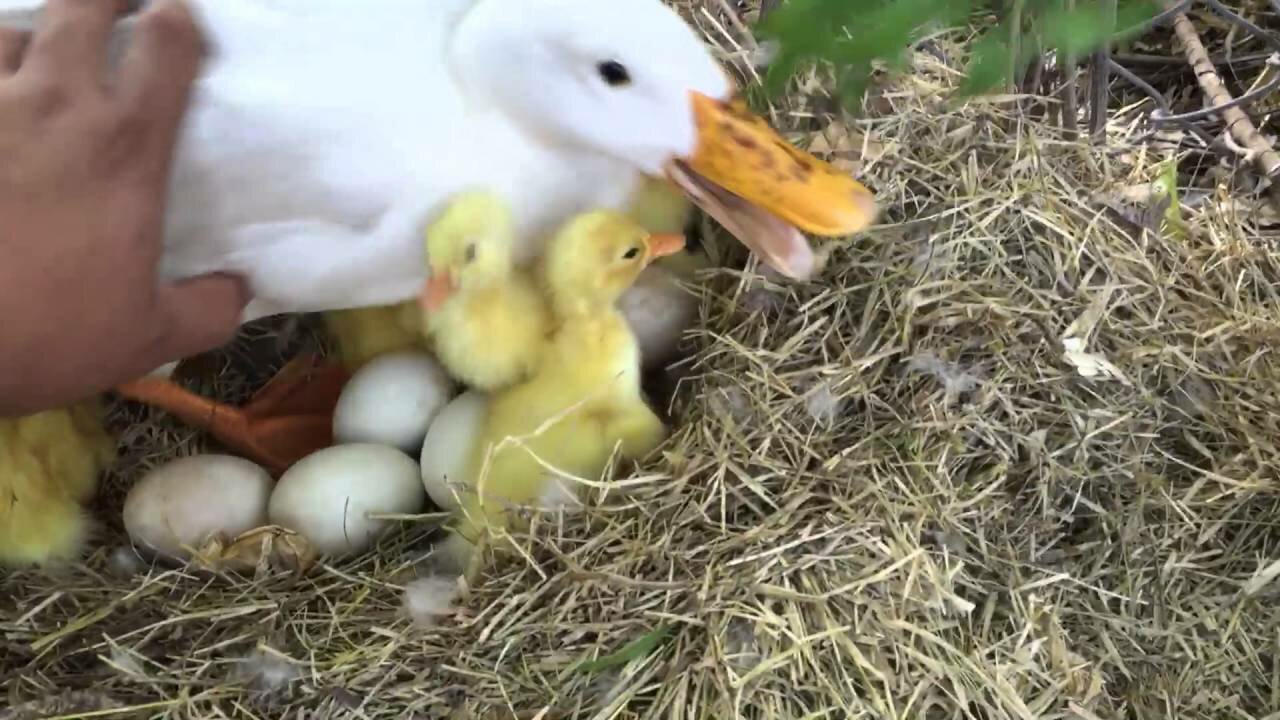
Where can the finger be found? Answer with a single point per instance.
(13, 43)
(200, 314)
(70, 41)
(156, 76)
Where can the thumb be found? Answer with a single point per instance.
(201, 314)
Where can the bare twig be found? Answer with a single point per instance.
(1161, 103)
(1070, 123)
(744, 32)
(1238, 123)
(1165, 16)
(1243, 100)
(1233, 17)
(1100, 81)
(1163, 60)
(1069, 108)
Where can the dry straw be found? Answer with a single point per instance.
(1013, 455)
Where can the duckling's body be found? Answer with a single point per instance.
(658, 307)
(511, 314)
(590, 379)
(485, 341)
(49, 466)
(363, 334)
(487, 319)
(585, 398)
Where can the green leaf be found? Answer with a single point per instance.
(637, 648)
(857, 36)
(1081, 31)
(1166, 186)
(989, 66)
(991, 61)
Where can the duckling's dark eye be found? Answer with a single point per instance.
(631, 254)
(614, 73)
(469, 255)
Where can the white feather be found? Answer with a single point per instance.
(428, 599)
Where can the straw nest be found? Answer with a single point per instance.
(1012, 455)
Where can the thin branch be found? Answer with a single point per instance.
(1164, 17)
(1169, 60)
(1100, 80)
(1161, 103)
(730, 14)
(1099, 83)
(1238, 123)
(1070, 110)
(1231, 16)
(1255, 94)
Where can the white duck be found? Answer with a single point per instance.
(323, 134)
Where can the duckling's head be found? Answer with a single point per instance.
(468, 247)
(596, 256)
(630, 80)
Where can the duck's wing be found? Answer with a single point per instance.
(313, 265)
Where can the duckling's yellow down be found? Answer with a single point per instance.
(486, 318)
(362, 334)
(661, 207)
(585, 398)
(49, 466)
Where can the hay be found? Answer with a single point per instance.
(1013, 455)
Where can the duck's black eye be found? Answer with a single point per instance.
(469, 255)
(614, 73)
(631, 254)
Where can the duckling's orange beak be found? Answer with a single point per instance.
(438, 288)
(664, 244)
(765, 190)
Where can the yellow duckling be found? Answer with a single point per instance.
(486, 319)
(657, 307)
(362, 334)
(585, 397)
(49, 466)
(658, 318)
(661, 207)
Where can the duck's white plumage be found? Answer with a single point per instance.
(323, 133)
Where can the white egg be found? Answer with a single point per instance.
(189, 500)
(448, 444)
(328, 495)
(391, 401)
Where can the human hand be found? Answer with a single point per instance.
(85, 154)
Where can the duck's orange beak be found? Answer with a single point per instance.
(664, 244)
(438, 289)
(765, 190)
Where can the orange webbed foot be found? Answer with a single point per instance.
(287, 419)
